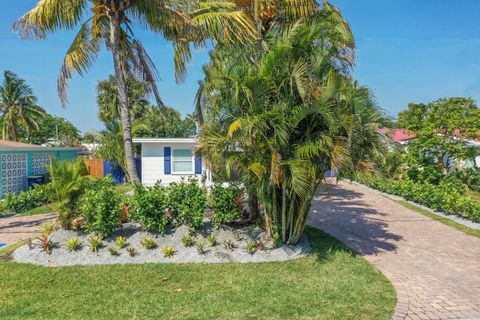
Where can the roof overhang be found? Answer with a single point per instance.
(39, 149)
(165, 140)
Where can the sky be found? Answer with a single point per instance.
(407, 51)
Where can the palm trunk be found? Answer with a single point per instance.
(122, 97)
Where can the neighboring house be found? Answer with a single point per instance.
(21, 160)
(169, 159)
(396, 137)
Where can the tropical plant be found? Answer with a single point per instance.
(188, 241)
(47, 229)
(45, 244)
(131, 251)
(200, 245)
(148, 242)
(212, 240)
(168, 252)
(55, 131)
(250, 247)
(101, 210)
(66, 187)
(113, 251)
(112, 23)
(121, 242)
(223, 201)
(229, 244)
(94, 242)
(149, 207)
(275, 123)
(108, 102)
(19, 107)
(72, 244)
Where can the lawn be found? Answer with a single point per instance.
(332, 283)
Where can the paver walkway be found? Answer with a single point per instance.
(14, 229)
(434, 268)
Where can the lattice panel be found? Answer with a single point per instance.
(14, 172)
(40, 162)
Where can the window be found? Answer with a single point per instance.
(182, 161)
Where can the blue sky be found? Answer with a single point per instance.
(407, 51)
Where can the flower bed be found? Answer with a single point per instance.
(440, 197)
(238, 243)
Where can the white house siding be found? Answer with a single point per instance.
(153, 163)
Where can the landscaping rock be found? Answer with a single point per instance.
(238, 234)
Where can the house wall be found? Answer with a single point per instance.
(153, 163)
(15, 166)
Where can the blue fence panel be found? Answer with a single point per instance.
(138, 163)
(116, 172)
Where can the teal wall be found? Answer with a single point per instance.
(35, 161)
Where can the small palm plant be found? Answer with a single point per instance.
(94, 243)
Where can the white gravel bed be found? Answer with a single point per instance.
(61, 256)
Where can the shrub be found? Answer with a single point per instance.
(73, 244)
(250, 247)
(148, 243)
(201, 247)
(113, 251)
(131, 251)
(212, 240)
(101, 210)
(121, 242)
(24, 201)
(442, 197)
(187, 202)
(66, 187)
(188, 241)
(224, 202)
(149, 206)
(168, 252)
(94, 243)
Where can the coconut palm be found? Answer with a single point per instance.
(111, 23)
(272, 120)
(18, 106)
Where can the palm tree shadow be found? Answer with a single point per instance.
(345, 215)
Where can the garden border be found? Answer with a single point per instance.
(458, 219)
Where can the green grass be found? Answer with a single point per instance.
(451, 223)
(35, 211)
(331, 283)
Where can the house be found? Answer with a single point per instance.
(21, 160)
(169, 159)
(396, 136)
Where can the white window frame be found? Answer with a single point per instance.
(192, 161)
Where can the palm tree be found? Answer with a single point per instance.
(271, 120)
(111, 22)
(18, 106)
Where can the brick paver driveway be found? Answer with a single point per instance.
(435, 269)
(14, 229)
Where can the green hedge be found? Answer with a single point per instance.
(24, 201)
(441, 197)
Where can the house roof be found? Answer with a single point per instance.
(165, 140)
(397, 134)
(6, 145)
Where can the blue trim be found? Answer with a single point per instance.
(198, 164)
(167, 160)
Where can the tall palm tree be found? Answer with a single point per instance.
(18, 106)
(111, 22)
(271, 120)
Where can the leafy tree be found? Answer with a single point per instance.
(271, 120)
(167, 123)
(442, 128)
(68, 134)
(91, 137)
(111, 23)
(19, 107)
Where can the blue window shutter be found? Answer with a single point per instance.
(167, 156)
(198, 164)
